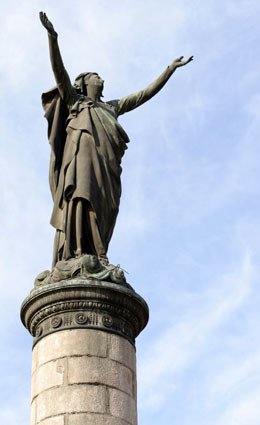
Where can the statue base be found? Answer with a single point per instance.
(84, 266)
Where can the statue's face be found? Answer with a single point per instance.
(95, 80)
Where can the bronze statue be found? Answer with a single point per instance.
(87, 145)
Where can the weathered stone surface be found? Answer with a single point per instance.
(56, 420)
(94, 419)
(74, 342)
(123, 406)
(73, 398)
(122, 351)
(104, 371)
(49, 375)
(33, 413)
(34, 359)
(76, 368)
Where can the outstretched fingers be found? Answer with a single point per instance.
(47, 23)
(181, 62)
(44, 19)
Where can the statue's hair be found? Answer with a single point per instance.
(80, 82)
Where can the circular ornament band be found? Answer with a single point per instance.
(83, 304)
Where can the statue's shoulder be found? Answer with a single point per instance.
(112, 106)
(113, 103)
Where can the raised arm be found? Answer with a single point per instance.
(64, 85)
(132, 101)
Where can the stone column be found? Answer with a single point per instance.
(83, 362)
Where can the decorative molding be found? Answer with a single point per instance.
(87, 304)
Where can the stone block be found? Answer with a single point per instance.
(122, 351)
(72, 342)
(94, 419)
(122, 406)
(73, 398)
(100, 371)
(55, 420)
(34, 358)
(33, 413)
(51, 374)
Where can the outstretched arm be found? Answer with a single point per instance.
(61, 76)
(132, 101)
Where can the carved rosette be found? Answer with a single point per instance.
(79, 303)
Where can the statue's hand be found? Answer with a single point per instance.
(180, 62)
(47, 24)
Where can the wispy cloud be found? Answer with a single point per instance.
(180, 345)
(231, 381)
(243, 411)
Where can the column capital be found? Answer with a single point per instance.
(80, 304)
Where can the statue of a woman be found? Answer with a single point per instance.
(87, 144)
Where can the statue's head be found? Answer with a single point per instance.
(86, 79)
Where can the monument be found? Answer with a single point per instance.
(83, 314)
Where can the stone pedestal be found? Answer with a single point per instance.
(83, 366)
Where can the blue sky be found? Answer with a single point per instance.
(188, 229)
